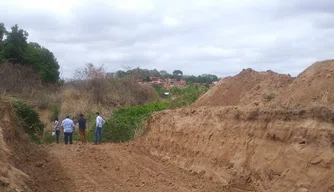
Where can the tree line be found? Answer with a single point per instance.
(145, 74)
(15, 48)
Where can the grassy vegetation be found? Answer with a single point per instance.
(92, 91)
(180, 97)
(126, 122)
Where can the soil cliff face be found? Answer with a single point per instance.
(23, 165)
(256, 131)
(248, 149)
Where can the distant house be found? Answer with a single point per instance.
(166, 83)
(155, 80)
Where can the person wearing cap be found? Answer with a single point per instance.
(68, 128)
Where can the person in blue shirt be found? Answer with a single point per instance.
(68, 129)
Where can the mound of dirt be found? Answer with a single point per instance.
(249, 87)
(25, 166)
(247, 148)
(313, 87)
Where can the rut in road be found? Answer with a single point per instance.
(123, 167)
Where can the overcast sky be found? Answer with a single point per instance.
(219, 37)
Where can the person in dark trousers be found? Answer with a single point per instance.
(68, 128)
(82, 128)
(56, 126)
(98, 131)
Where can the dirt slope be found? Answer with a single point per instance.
(249, 87)
(248, 149)
(10, 177)
(124, 167)
(24, 166)
(313, 87)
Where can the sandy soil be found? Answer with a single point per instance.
(121, 167)
(234, 138)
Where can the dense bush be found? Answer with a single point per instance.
(29, 118)
(187, 95)
(125, 122)
(55, 111)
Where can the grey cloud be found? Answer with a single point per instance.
(218, 38)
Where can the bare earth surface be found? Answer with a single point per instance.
(121, 167)
(257, 131)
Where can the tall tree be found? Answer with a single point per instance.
(3, 31)
(43, 61)
(177, 73)
(16, 49)
(15, 44)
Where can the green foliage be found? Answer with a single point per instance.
(29, 118)
(146, 79)
(55, 111)
(16, 49)
(125, 122)
(186, 95)
(49, 139)
(35, 139)
(205, 78)
(177, 73)
(160, 90)
(43, 61)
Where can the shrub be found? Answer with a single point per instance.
(49, 139)
(125, 122)
(55, 111)
(186, 95)
(29, 118)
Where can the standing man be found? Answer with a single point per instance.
(99, 123)
(82, 128)
(68, 128)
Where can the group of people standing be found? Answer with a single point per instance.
(68, 127)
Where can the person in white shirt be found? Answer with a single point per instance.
(68, 128)
(98, 131)
(56, 127)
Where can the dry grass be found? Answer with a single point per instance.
(23, 82)
(92, 90)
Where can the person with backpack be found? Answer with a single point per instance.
(98, 131)
(56, 127)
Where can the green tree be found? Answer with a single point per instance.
(43, 61)
(177, 73)
(146, 79)
(15, 44)
(120, 73)
(3, 31)
(155, 73)
(16, 49)
(164, 74)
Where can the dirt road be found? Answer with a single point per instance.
(122, 167)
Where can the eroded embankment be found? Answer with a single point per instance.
(23, 165)
(248, 148)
